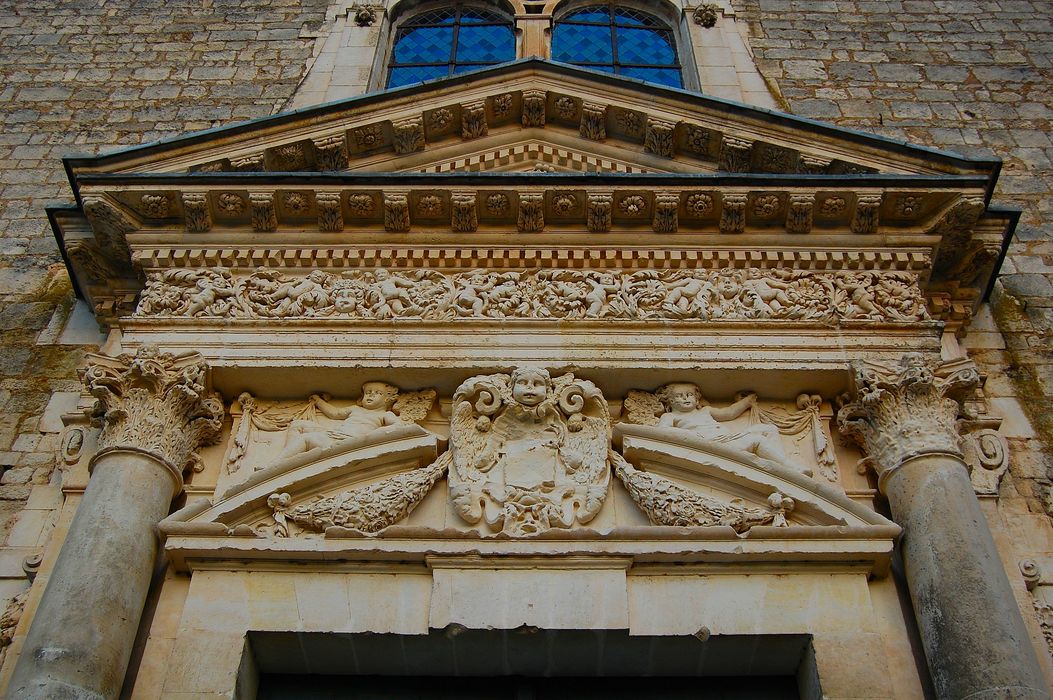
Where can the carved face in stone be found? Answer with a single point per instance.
(378, 395)
(682, 398)
(530, 386)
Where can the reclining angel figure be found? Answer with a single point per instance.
(372, 412)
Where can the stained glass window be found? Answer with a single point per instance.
(446, 41)
(618, 40)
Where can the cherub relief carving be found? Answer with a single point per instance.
(372, 413)
(529, 452)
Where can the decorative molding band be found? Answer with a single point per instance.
(720, 295)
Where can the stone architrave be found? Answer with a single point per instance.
(905, 417)
(155, 410)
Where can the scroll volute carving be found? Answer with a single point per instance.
(154, 402)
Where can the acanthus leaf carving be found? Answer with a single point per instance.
(330, 211)
(799, 213)
(735, 155)
(396, 211)
(473, 120)
(464, 216)
(529, 452)
(733, 213)
(154, 402)
(110, 226)
(725, 295)
(534, 108)
(599, 210)
(531, 218)
(408, 135)
(908, 409)
(330, 153)
(593, 121)
(666, 205)
(658, 138)
(196, 212)
(865, 218)
(666, 503)
(264, 215)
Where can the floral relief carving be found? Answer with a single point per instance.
(528, 452)
(330, 212)
(369, 136)
(632, 205)
(156, 206)
(196, 212)
(497, 204)
(766, 206)
(502, 105)
(698, 139)
(566, 107)
(440, 119)
(833, 206)
(701, 295)
(429, 205)
(231, 203)
(289, 157)
(534, 108)
(909, 206)
(154, 402)
(699, 204)
(564, 203)
(630, 123)
(361, 204)
(295, 203)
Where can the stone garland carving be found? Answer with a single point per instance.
(598, 212)
(330, 153)
(528, 452)
(531, 217)
(368, 509)
(666, 503)
(396, 212)
(593, 121)
(381, 405)
(264, 217)
(658, 138)
(735, 155)
(156, 403)
(330, 213)
(473, 120)
(700, 295)
(534, 108)
(409, 135)
(907, 409)
(196, 212)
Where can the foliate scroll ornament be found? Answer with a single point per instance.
(986, 454)
(409, 135)
(110, 226)
(396, 212)
(368, 509)
(735, 155)
(330, 211)
(154, 402)
(191, 293)
(463, 215)
(264, 216)
(865, 218)
(666, 503)
(529, 452)
(473, 120)
(593, 121)
(658, 138)
(533, 108)
(531, 217)
(156, 206)
(196, 212)
(598, 211)
(799, 213)
(666, 205)
(330, 153)
(733, 213)
(906, 410)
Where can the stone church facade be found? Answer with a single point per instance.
(530, 380)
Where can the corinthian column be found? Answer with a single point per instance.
(905, 417)
(154, 411)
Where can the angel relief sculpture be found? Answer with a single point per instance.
(303, 429)
(529, 452)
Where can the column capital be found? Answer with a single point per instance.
(155, 403)
(908, 409)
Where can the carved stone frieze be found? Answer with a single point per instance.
(330, 153)
(599, 209)
(196, 212)
(534, 108)
(799, 213)
(865, 218)
(330, 211)
(396, 211)
(409, 135)
(264, 216)
(473, 120)
(154, 402)
(593, 121)
(666, 205)
(658, 138)
(464, 217)
(667, 503)
(531, 212)
(735, 155)
(699, 295)
(528, 452)
(906, 410)
(733, 213)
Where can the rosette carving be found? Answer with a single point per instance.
(154, 402)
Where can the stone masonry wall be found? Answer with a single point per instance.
(86, 76)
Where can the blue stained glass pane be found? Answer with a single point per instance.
(599, 15)
(424, 45)
(490, 43)
(659, 76)
(415, 74)
(434, 17)
(475, 15)
(624, 15)
(577, 43)
(646, 46)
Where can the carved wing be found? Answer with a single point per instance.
(414, 406)
(474, 402)
(588, 427)
(642, 408)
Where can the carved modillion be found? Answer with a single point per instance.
(865, 218)
(264, 215)
(396, 211)
(658, 138)
(735, 155)
(408, 135)
(330, 211)
(473, 120)
(533, 108)
(593, 121)
(733, 213)
(599, 210)
(196, 212)
(463, 215)
(531, 212)
(330, 153)
(799, 213)
(666, 205)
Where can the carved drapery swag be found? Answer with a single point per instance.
(907, 410)
(154, 402)
(558, 294)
